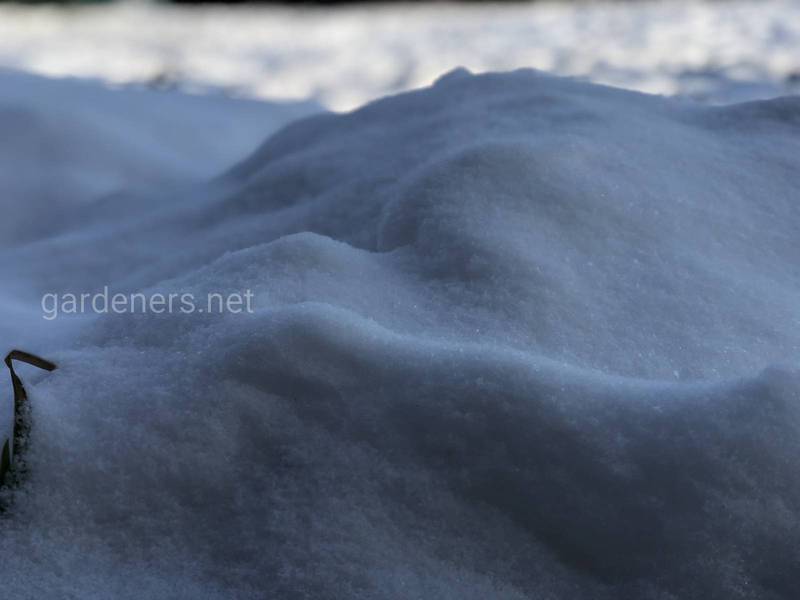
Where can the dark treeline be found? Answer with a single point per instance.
(291, 2)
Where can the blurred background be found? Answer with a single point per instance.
(341, 55)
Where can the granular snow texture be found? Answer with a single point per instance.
(515, 336)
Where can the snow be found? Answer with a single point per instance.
(93, 142)
(723, 51)
(515, 336)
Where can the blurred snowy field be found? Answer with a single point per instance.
(722, 51)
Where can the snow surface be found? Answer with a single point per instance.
(516, 336)
(733, 50)
(74, 142)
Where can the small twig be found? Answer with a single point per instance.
(21, 410)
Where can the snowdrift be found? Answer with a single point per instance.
(515, 337)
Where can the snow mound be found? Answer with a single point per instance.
(514, 336)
